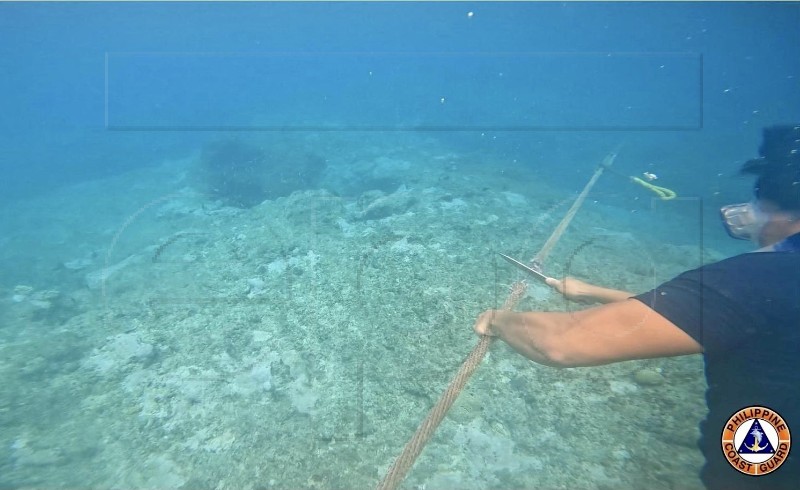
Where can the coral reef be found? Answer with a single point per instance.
(243, 174)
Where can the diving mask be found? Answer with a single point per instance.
(744, 221)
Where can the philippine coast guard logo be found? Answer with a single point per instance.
(756, 440)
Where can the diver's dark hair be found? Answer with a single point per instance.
(778, 167)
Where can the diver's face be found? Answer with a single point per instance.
(760, 221)
(744, 221)
(778, 225)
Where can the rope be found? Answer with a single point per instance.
(539, 259)
(397, 472)
(662, 192)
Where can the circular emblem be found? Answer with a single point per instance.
(756, 440)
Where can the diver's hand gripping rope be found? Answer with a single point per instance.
(397, 472)
(413, 448)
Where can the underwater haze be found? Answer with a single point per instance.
(242, 245)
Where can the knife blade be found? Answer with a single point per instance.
(530, 270)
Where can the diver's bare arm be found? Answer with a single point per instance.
(608, 295)
(604, 334)
(577, 290)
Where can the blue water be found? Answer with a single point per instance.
(729, 69)
(154, 290)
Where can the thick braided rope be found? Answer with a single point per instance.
(562, 226)
(414, 446)
(397, 472)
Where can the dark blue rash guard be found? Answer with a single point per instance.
(745, 312)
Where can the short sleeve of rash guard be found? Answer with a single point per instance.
(711, 303)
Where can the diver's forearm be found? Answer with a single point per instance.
(531, 334)
(607, 295)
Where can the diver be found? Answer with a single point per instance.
(742, 314)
